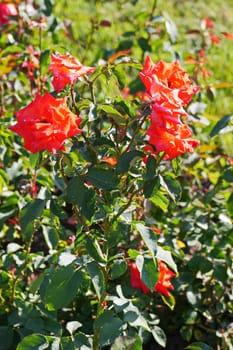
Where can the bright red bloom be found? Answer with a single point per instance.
(66, 69)
(135, 278)
(5, 11)
(207, 23)
(46, 123)
(163, 284)
(169, 89)
(167, 81)
(173, 140)
(214, 39)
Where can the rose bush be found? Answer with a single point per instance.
(113, 214)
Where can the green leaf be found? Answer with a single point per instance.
(228, 175)
(118, 269)
(133, 253)
(108, 326)
(82, 342)
(169, 301)
(144, 44)
(159, 200)
(6, 338)
(200, 263)
(134, 317)
(44, 58)
(103, 178)
(72, 326)
(75, 190)
(150, 168)
(229, 205)
(33, 342)
(172, 186)
(166, 256)
(61, 287)
(149, 238)
(33, 210)
(67, 343)
(171, 30)
(34, 159)
(127, 160)
(94, 250)
(127, 343)
(13, 247)
(81, 195)
(159, 336)
(51, 236)
(199, 346)
(114, 114)
(97, 278)
(222, 123)
(148, 271)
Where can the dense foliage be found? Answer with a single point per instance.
(115, 185)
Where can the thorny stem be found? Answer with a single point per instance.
(136, 132)
(126, 206)
(73, 99)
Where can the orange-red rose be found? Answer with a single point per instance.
(66, 70)
(169, 89)
(5, 11)
(174, 140)
(46, 123)
(167, 81)
(162, 286)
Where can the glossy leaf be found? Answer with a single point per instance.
(114, 114)
(102, 178)
(148, 271)
(171, 185)
(159, 200)
(159, 336)
(166, 256)
(198, 346)
(33, 342)
(62, 287)
(127, 160)
(97, 278)
(118, 269)
(222, 123)
(127, 343)
(148, 237)
(108, 326)
(6, 338)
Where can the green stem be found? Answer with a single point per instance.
(153, 10)
(22, 267)
(135, 133)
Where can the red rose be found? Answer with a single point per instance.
(46, 123)
(174, 140)
(163, 284)
(169, 89)
(163, 80)
(66, 70)
(5, 11)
